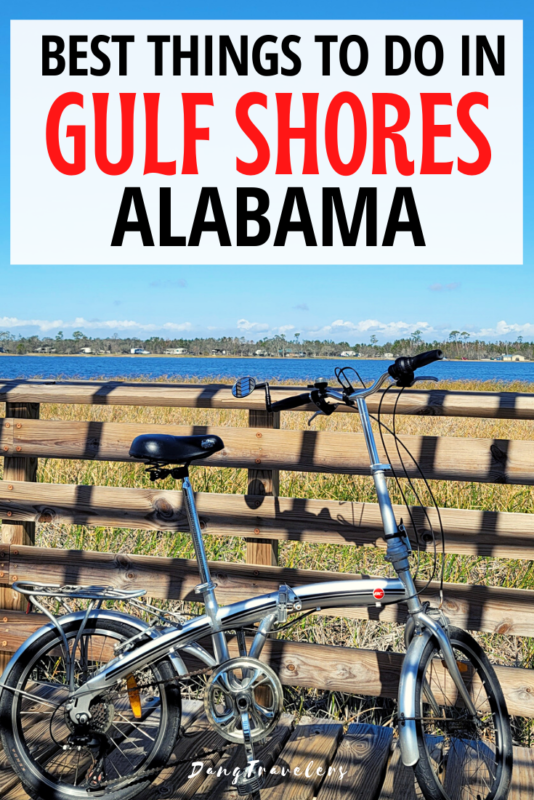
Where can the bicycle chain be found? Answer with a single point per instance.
(123, 782)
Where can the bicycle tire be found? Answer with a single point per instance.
(457, 778)
(36, 780)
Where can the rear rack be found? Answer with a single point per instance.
(96, 595)
(31, 589)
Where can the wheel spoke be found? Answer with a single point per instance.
(135, 725)
(54, 751)
(460, 749)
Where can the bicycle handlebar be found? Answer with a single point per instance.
(402, 372)
(291, 402)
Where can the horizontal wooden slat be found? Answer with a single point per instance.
(483, 533)
(343, 669)
(495, 405)
(373, 673)
(442, 458)
(495, 609)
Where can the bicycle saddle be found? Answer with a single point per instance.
(166, 449)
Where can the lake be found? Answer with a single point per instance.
(76, 367)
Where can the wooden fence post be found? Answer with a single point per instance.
(17, 469)
(263, 482)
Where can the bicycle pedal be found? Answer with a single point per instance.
(249, 782)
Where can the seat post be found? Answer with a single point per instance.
(196, 532)
(207, 586)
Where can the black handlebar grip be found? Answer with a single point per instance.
(291, 402)
(424, 359)
(404, 367)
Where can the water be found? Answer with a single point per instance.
(150, 368)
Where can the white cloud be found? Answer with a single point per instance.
(369, 326)
(46, 325)
(245, 325)
(285, 328)
(505, 329)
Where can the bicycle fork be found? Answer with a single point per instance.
(420, 626)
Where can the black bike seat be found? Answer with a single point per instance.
(167, 449)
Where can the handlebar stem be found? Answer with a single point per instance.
(368, 433)
(371, 389)
(359, 393)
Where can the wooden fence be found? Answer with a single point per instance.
(261, 517)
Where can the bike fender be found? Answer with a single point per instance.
(102, 613)
(407, 709)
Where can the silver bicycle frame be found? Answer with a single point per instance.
(264, 609)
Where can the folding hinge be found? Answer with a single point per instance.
(287, 602)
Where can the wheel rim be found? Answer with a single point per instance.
(465, 753)
(41, 726)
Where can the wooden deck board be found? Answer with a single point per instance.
(219, 786)
(368, 756)
(523, 774)
(300, 767)
(359, 765)
(399, 780)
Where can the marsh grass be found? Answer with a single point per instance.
(506, 650)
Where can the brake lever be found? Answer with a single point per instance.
(425, 378)
(323, 413)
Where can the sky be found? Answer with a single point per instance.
(343, 303)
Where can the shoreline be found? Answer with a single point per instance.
(257, 358)
(162, 355)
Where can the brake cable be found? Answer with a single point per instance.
(427, 485)
(399, 486)
(398, 442)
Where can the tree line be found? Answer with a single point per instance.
(457, 345)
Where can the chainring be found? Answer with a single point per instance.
(243, 684)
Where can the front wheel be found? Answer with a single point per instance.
(133, 728)
(461, 756)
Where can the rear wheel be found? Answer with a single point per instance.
(134, 725)
(461, 756)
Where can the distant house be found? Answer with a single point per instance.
(348, 353)
(389, 355)
(175, 351)
(216, 352)
(260, 353)
(513, 357)
(46, 348)
(138, 351)
(86, 350)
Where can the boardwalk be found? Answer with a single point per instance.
(314, 759)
